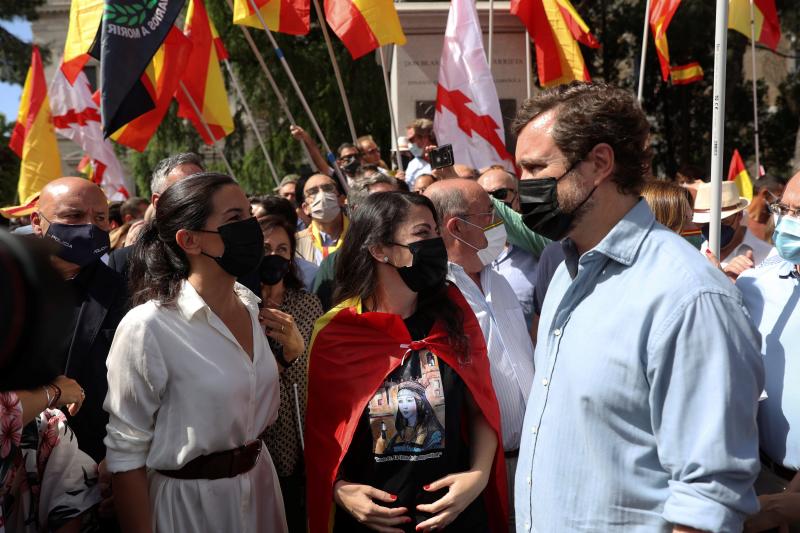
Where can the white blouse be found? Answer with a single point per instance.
(181, 386)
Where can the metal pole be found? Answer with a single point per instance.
(718, 123)
(640, 93)
(270, 79)
(299, 419)
(392, 122)
(300, 96)
(210, 134)
(528, 64)
(755, 88)
(491, 34)
(337, 74)
(252, 120)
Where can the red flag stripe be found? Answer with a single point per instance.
(351, 27)
(37, 95)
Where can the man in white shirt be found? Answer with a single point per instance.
(420, 136)
(467, 218)
(740, 250)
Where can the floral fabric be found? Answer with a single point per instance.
(45, 480)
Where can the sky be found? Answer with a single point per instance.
(9, 94)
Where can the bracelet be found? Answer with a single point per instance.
(47, 395)
(282, 360)
(57, 395)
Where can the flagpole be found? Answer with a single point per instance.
(392, 121)
(206, 127)
(252, 120)
(528, 64)
(300, 96)
(491, 34)
(337, 74)
(755, 87)
(640, 93)
(717, 125)
(270, 79)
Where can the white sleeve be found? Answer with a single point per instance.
(137, 376)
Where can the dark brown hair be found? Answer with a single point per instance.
(270, 222)
(588, 114)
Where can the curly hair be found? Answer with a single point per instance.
(588, 114)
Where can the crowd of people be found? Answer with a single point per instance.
(379, 348)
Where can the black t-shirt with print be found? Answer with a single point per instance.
(411, 434)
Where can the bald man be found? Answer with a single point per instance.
(516, 264)
(73, 215)
(474, 238)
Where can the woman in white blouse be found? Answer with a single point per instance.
(192, 381)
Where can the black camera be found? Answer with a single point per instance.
(442, 156)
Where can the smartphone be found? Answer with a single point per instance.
(441, 156)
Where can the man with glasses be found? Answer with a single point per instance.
(420, 138)
(766, 190)
(370, 153)
(474, 238)
(517, 265)
(349, 161)
(322, 200)
(772, 295)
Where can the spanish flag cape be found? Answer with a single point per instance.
(352, 352)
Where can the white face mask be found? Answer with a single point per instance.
(415, 150)
(325, 207)
(495, 237)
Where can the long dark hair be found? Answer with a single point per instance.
(158, 264)
(291, 280)
(374, 223)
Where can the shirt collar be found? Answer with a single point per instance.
(622, 243)
(189, 302)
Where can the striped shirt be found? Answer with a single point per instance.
(508, 344)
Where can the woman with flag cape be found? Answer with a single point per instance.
(403, 425)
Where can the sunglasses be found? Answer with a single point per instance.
(503, 193)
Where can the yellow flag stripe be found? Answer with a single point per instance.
(84, 21)
(270, 11)
(383, 20)
(569, 52)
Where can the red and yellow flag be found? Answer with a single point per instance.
(767, 25)
(26, 208)
(85, 17)
(161, 81)
(284, 16)
(204, 81)
(738, 173)
(364, 25)
(34, 136)
(661, 13)
(686, 74)
(556, 29)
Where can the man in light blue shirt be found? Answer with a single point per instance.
(420, 136)
(642, 414)
(772, 295)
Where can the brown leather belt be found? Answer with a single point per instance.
(218, 465)
(777, 468)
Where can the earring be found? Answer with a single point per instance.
(385, 259)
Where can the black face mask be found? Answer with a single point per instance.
(350, 165)
(725, 235)
(244, 246)
(540, 209)
(273, 269)
(428, 269)
(79, 244)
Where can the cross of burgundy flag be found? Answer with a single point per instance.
(467, 107)
(76, 116)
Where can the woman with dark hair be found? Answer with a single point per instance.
(402, 423)
(285, 301)
(192, 382)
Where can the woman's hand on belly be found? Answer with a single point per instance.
(359, 501)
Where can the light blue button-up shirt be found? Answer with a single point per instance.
(519, 269)
(772, 295)
(643, 407)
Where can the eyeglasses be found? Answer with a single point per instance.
(784, 210)
(325, 187)
(488, 214)
(503, 194)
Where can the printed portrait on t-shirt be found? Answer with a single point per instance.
(407, 412)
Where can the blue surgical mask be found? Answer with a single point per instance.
(787, 239)
(415, 150)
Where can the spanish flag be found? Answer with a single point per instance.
(556, 29)
(85, 17)
(284, 16)
(738, 173)
(160, 79)
(767, 25)
(661, 13)
(364, 25)
(203, 80)
(26, 208)
(686, 74)
(350, 355)
(34, 138)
